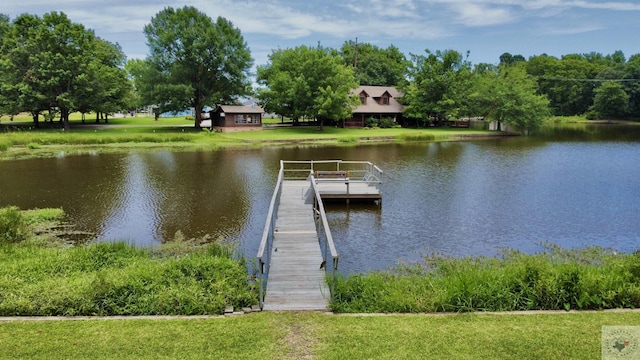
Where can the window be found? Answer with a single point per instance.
(243, 119)
(385, 100)
(363, 100)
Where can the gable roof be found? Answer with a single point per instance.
(240, 109)
(375, 92)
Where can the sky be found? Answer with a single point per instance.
(485, 28)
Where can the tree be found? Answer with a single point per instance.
(568, 82)
(508, 59)
(110, 89)
(611, 100)
(374, 65)
(509, 96)
(438, 82)
(52, 65)
(632, 71)
(307, 82)
(61, 62)
(193, 61)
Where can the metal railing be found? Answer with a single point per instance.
(359, 171)
(322, 227)
(264, 251)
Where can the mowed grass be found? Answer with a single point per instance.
(143, 134)
(318, 336)
(90, 119)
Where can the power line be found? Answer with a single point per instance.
(586, 80)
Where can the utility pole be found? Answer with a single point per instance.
(355, 57)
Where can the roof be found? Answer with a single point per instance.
(241, 109)
(375, 92)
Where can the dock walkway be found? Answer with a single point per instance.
(297, 240)
(296, 281)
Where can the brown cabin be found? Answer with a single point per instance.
(378, 102)
(230, 118)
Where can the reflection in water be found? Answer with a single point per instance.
(136, 218)
(457, 198)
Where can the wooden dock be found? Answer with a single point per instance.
(337, 190)
(296, 281)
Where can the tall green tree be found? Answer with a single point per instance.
(509, 96)
(438, 83)
(611, 100)
(374, 65)
(110, 89)
(632, 88)
(307, 82)
(53, 66)
(193, 61)
(61, 62)
(508, 59)
(18, 70)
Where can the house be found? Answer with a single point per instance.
(230, 118)
(378, 102)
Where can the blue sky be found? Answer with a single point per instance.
(486, 28)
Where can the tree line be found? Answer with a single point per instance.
(50, 66)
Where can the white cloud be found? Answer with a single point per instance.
(408, 24)
(481, 15)
(572, 30)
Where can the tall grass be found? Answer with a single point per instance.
(13, 226)
(184, 277)
(555, 279)
(418, 137)
(118, 279)
(87, 138)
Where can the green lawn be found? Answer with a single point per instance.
(318, 336)
(178, 134)
(76, 119)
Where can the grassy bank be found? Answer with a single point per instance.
(318, 336)
(43, 277)
(555, 279)
(141, 134)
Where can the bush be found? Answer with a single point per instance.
(387, 123)
(13, 227)
(4, 145)
(371, 122)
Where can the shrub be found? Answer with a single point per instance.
(348, 140)
(13, 227)
(387, 123)
(5, 145)
(371, 122)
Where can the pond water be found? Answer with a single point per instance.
(456, 198)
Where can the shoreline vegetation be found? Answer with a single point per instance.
(20, 141)
(47, 274)
(44, 274)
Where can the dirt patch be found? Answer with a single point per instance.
(300, 340)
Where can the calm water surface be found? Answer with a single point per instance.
(458, 198)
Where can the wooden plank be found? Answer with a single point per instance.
(295, 281)
(356, 190)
